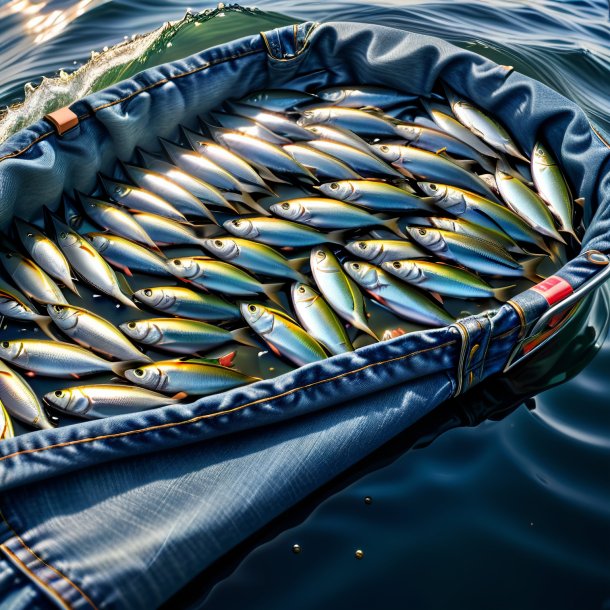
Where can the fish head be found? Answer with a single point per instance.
(65, 236)
(407, 270)
(363, 273)
(409, 132)
(11, 261)
(115, 190)
(322, 259)
(431, 239)
(185, 267)
(242, 227)
(99, 241)
(303, 293)
(342, 190)
(143, 331)
(541, 156)
(314, 115)
(157, 298)
(9, 350)
(316, 130)
(368, 250)
(71, 399)
(334, 94)
(28, 234)
(64, 316)
(290, 210)
(388, 152)
(151, 377)
(434, 190)
(259, 317)
(225, 248)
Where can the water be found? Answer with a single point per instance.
(496, 500)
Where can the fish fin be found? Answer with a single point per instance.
(580, 201)
(119, 368)
(206, 231)
(438, 297)
(558, 254)
(404, 171)
(227, 359)
(271, 290)
(392, 225)
(530, 267)
(467, 164)
(124, 285)
(297, 263)
(45, 324)
(504, 293)
(125, 270)
(179, 396)
(337, 237)
(365, 329)
(571, 233)
(254, 205)
(244, 336)
(274, 350)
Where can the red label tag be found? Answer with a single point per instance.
(553, 289)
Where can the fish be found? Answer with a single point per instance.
(482, 125)
(275, 121)
(192, 377)
(375, 196)
(20, 401)
(249, 127)
(164, 231)
(445, 280)
(94, 332)
(89, 264)
(254, 257)
(172, 192)
(366, 164)
(433, 167)
(436, 140)
(339, 290)
(207, 193)
(128, 256)
(115, 220)
(182, 336)
(553, 188)
(377, 251)
(6, 425)
(55, 358)
(272, 162)
(528, 204)
(187, 303)
(45, 253)
(359, 96)
(248, 177)
(398, 297)
(222, 277)
(360, 122)
(338, 134)
(278, 232)
(319, 320)
(323, 213)
(106, 400)
(281, 333)
(201, 167)
(474, 253)
(278, 100)
(141, 200)
(323, 165)
(31, 279)
(15, 305)
(481, 211)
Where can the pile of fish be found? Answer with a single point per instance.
(294, 225)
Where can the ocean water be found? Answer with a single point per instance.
(500, 499)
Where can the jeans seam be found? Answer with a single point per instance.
(241, 407)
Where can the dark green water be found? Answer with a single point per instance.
(498, 500)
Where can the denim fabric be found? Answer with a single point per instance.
(121, 513)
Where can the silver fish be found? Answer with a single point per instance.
(339, 289)
(192, 377)
(164, 231)
(360, 122)
(6, 425)
(106, 400)
(278, 100)
(323, 165)
(89, 264)
(359, 96)
(245, 125)
(319, 320)
(20, 400)
(396, 296)
(187, 303)
(282, 334)
(94, 332)
(45, 253)
(378, 251)
(275, 121)
(338, 134)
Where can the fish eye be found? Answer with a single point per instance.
(236, 223)
(301, 289)
(117, 189)
(177, 262)
(252, 308)
(362, 245)
(57, 307)
(217, 243)
(131, 325)
(5, 344)
(356, 266)
(422, 231)
(433, 187)
(30, 234)
(58, 393)
(285, 206)
(384, 148)
(63, 235)
(148, 292)
(308, 113)
(396, 265)
(334, 186)
(138, 372)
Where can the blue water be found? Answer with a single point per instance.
(499, 500)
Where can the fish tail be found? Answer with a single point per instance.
(364, 327)
(271, 292)
(253, 205)
(337, 237)
(69, 284)
(392, 225)
(570, 231)
(297, 263)
(244, 336)
(530, 268)
(206, 231)
(119, 368)
(558, 254)
(504, 293)
(45, 324)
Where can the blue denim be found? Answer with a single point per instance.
(123, 512)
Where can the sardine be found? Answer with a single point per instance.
(338, 134)
(360, 122)
(445, 280)
(360, 96)
(20, 400)
(45, 253)
(278, 100)
(323, 165)
(339, 289)
(164, 231)
(277, 122)
(396, 296)
(249, 127)
(106, 400)
(319, 320)
(94, 332)
(282, 334)
(187, 303)
(378, 251)
(192, 377)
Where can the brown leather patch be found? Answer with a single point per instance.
(63, 119)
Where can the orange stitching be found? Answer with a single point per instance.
(43, 584)
(221, 413)
(18, 152)
(27, 548)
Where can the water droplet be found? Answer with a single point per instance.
(359, 554)
(296, 549)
